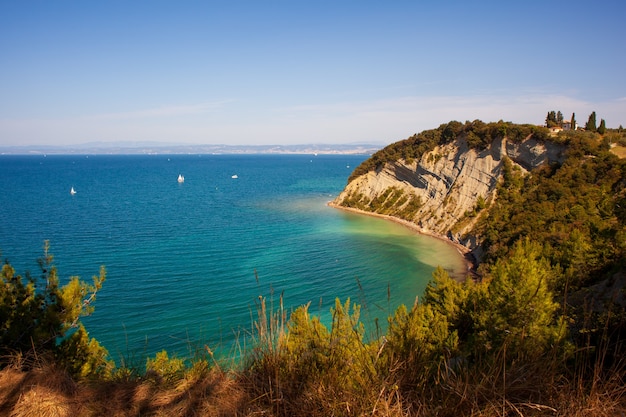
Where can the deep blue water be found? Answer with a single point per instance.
(186, 262)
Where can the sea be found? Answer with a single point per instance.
(187, 263)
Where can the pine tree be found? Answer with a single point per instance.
(518, 308)
(416, 342)
(445, 295)
(39, 316)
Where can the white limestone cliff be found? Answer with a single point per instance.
(448, 183)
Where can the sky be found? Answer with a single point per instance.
(267, 72)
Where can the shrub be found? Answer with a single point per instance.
(166, 369)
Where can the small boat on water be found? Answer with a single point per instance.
(72, 191)
(181, 179)
(235, 176)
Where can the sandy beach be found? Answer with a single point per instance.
(463, 251)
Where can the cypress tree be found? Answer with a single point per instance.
(573, 121)
(602, 128)
(591, 123)
(551, 119)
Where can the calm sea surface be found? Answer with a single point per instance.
(186, 262)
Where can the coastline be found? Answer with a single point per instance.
(463, 251)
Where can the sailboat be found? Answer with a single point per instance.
(181, 179)
(72, 191)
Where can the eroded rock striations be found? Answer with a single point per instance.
(443, 191)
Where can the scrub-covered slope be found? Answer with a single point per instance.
(488, 185)
(441, 178)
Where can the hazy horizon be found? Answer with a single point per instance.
(147, 147)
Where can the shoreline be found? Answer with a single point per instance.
(465, 252)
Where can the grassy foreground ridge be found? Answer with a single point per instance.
(538, 330)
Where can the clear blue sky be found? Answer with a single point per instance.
(292, 72)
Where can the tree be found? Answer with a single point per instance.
(417, 341)
(551, 119)
(312, 354)
(573, 121)
(518, 308)
(348, 357)
(559, 118)
(602, 127)
(445, 295)
(591, 123)
(40, 317)
(306, 345)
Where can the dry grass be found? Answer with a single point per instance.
(49, 392)
(523, 390)
(618, 150)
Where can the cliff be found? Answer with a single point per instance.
(444, 190)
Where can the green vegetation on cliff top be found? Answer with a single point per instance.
(478, 135)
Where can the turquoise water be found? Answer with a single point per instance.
(186, 262)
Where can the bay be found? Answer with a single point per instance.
(186, 262)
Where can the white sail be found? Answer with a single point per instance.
(181, 179)
(72, 191)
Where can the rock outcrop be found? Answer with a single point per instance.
(443, 191)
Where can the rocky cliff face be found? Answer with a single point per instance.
(447, 187)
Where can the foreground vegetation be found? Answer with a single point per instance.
(539, 332)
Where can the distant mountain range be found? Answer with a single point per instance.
(125, 148)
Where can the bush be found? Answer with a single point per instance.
(165, 369)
